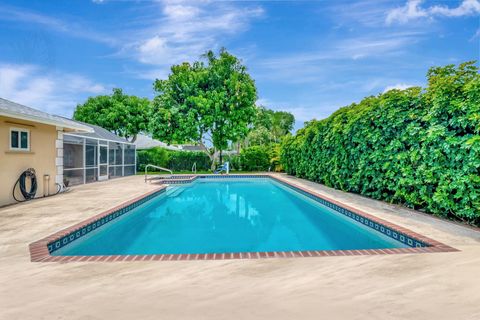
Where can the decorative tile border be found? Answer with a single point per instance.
(41, 250)
(178, 179)
(230, 176)
(408, 237)
(64, 237)
(361, 217)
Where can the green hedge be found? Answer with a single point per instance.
(255, 158)
(179, 160)
(173, 160)
(419, 148)
(156, 156)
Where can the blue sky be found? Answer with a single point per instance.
(307, 57)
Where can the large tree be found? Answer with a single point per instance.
(269, 127)
(282, 123)
(122, 114)
(209, 102)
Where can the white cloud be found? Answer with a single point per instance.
(374, 45)
(366, 12)
(412, 10)
(317, 67)
(476, 35)
(398, 86)
(57, 93)
(466, 8)
(181, 11)
(77, 30)
(182, 31)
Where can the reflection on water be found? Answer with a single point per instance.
(228, 216)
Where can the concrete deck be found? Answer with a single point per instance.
(412, 286)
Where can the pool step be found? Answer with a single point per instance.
(173, 179)
(174, 191)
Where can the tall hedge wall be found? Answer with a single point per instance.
(416, 147)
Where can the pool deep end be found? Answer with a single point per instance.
(229, 217)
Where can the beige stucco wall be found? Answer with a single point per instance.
(41, 157)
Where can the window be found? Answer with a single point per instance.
(91, 149)
(129, 154)
(119, 154)
(19, 139)
(72, 152)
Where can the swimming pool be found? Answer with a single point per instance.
(231, 216)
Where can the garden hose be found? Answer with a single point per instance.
(22, 183)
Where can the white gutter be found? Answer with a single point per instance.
(64, 124)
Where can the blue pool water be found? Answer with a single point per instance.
(228, 215)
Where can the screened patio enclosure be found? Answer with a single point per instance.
(101, 155)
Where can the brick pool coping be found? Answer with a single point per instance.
(39, 251)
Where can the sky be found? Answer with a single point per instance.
(307, 57)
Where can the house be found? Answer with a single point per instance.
(190, 147)
(30, 138)
(144, 142)
(197, 148)
(60, 151)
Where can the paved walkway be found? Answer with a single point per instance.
(409, 286)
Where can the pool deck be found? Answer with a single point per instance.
(441, 285)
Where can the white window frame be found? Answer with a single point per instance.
(19, 130)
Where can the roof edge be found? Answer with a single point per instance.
(22, 116)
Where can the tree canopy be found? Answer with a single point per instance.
(207, 102)
(122, 114)
(270, 126)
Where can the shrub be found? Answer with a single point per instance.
(274, 155)
(156, 156)
(234, 160)
(181, 160)
(173, 160)
(419, 148)
(255, 158)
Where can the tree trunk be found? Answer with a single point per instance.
(134, 138)
(221, 157)
(211, 156)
